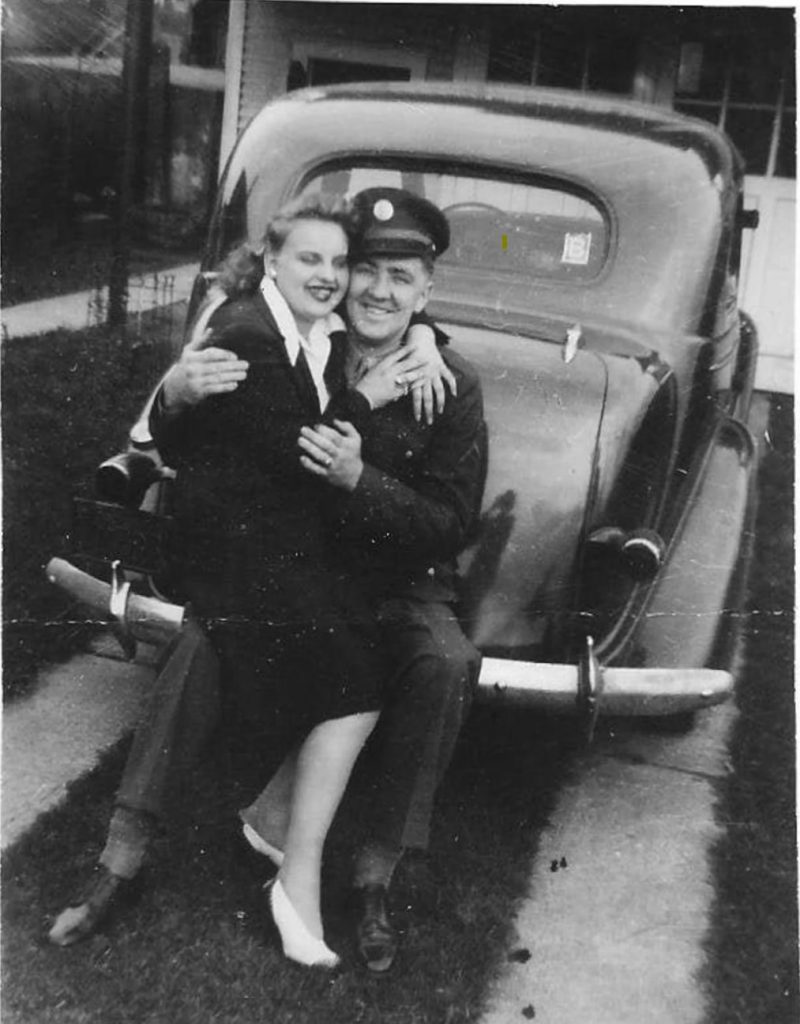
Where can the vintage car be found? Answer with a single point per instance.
(592, 280)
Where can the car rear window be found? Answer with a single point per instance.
(500, 228)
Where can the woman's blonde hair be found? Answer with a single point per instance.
(241, 271)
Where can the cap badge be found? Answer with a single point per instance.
(383, 210)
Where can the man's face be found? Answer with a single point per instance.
(384, 292)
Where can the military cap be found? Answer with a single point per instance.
(395, 222)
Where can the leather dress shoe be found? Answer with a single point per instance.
(376, 936)
(105, 893)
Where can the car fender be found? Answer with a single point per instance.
(678, 623)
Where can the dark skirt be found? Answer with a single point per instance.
(297, 642)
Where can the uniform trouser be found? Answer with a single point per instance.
(179, 718)
(427, 700)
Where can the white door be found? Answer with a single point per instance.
(766, 289)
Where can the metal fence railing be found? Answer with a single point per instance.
(151, 298)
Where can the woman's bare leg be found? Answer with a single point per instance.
(324, 763)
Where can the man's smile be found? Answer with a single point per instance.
(375, 310)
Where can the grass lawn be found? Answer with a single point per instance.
(751, 973)
(197, 948)
(67, 403)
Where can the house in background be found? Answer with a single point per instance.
(731, 66)
(63, 116)
(214, 63)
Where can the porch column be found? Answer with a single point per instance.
(234, 49)
(256, 64)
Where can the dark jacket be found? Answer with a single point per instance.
(419, 495)
(239, 478)
(252, 556)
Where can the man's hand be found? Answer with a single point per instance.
(333, 453)
(201, 372)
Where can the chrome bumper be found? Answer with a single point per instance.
(622, 691)
(587, 689)
(133, 616)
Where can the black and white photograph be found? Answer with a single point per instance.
(398, 474)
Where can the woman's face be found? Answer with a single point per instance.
(310, 270)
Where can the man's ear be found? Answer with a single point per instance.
(422, 301)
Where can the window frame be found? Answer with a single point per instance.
(424, 165)
(686, 103)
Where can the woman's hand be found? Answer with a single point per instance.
(428, 390)
(333, 453)
(390, 378)
(416, 367)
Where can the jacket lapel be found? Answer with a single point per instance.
(300, 373)
(335, 367)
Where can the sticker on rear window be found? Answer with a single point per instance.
(576, 248)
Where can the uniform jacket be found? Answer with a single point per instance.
(418, 498)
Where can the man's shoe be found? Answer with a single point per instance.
(105, 893)
(377, 938)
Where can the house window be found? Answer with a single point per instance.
(512, 45)
(322, 71)
(563, 58)
(209, 26)
(327, 62)
(563, 50)
(746, 87)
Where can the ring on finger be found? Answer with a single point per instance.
(327, 461)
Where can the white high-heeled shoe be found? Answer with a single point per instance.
(297, 941)
(260, 845)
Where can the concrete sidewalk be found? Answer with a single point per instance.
(77, 711)
(620, 894)
(72, 312)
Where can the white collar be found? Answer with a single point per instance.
(320, 330)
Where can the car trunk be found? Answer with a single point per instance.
(558, 436)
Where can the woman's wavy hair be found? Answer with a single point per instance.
(241, 271)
